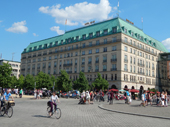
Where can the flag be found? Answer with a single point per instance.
(142, 20)
(118, 4)
(66, 22)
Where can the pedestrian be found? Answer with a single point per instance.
(143, 99)
(166, 99)
(127, 96)
(40, 93)
(88, 96)
(108, 96)
(16, 92)
(35, 93)
(162, 99)
(148, 98)
(91, 97)
(20, 93)
(111, 97)
(94, 96)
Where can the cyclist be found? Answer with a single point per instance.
(7, 94)
(54, 97)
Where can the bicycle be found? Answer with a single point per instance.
(7, 109)
(56, 113)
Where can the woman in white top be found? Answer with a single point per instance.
(163, 98)
(54, 97)
(88, 96)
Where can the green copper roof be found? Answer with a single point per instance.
(118, 23)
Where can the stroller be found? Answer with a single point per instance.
(82, 100)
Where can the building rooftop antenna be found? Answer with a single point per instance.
(118, 9)
(13, 55)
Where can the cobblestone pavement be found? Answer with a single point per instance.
(32, 113)
(134, 108)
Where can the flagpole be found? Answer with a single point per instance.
(142, 23)
(118, 9)
(65, 25)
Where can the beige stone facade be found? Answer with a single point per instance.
(15, 67)
(121, 59)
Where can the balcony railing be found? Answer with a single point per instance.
(141, 73)
(142, 65)
(68, 64)
(113, 69)
(113, 60)
(104, 69)
(96, 70)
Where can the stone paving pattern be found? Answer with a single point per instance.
(32, 113)
(134, 108)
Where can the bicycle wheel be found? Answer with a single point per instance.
(10, 112)
(57, 113)
(48, 111)
(2, 112)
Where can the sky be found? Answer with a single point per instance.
(26, 21)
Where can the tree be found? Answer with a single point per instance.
(63, 82)
(43, 81)
(100, 83)
(20, 82)
(29, 82)
(14, 82)
(53, 79)
(5, 75)
(81, 83)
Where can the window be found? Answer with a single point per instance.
(71, 54)
(34, 60)
(131, 60)
(114, 66)
(105, 32)
(61, 49)
(130, 50)
(51, 44)
(114, 57)
(49, 57)
(130, 68)
(35, 48)
(105, 41)
(97, 50)
(45, 45)
(76, 46)
(152, 58)
(125, 48)
(134, 51)
(89, 59)
(39, 59)
(90, 44)
(125, 77)
(61, 56)
(134, 60)
(114, 48)
(140, 53)
(84, 45)
(98, 33)
(77, 38)
(76, 53)
(82, 69)
(55, 64)
(125, 66)
(91, 35)
(96, 68)
(105, 49)
(83, 52)
(134, 69)
(104, 58)
(114, 39)
(125, 39)
(125, 30)
(44, 59)
(56, 43)
(76, 61)
(146, 56)
(84, 36)
(40, 46)
(97, 42)
(69, 47)
(114, 29)
(90, 51)
(97, 59)
(56, 50)
(125, 57)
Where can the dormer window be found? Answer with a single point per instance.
(72, 39)
(98, 33)
(141, 38)
(125, 30)
(51, 44)
(56, 43)
(84, 37)
(61, 41)
(45, 46)
(24, 50)
(91, 35)
(132, 34)
(30, 48)
(40, 46)
(35, 48)
(69, 40)
(77, 38)
(114, 29)
(105, 32)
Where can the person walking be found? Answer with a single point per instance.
(91, 97)
(127, 96)
(111, 97)
(162, 99)
(16, 92)
(166, 99)
(143, 99)
(20, 93)
(88, 96)
(148, 98)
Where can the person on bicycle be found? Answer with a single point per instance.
(7, 94)
(54, 97)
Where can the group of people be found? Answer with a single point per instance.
(38, 93)
(161, 99)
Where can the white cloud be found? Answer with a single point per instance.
(18, 27)
(79, 12)
(115, 8)
(166, 43)
(57, 29)
(1, 21)
(34, 34)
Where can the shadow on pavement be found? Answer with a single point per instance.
(41, 116)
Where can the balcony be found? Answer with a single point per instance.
(96, 70)
(125, 69)
(29, 56)
(113, 60)
(34, 55)
(113, 69)
(23, 69)
(89, 62)
(38, 67)
(104, 69)
(141, 65)
(50, 52)
(39, 54)
(44, 54)
(104, 61)
(141, 73)
(126, 60)
(97, 61)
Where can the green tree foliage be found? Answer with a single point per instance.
(29, 82)
(100, 83)
(63, 82)
(81, 83)
(5, 72)
(14, 82)
(20, 82)
(43, 81)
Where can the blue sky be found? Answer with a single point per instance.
(26, 21)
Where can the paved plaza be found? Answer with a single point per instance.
(29, 113)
